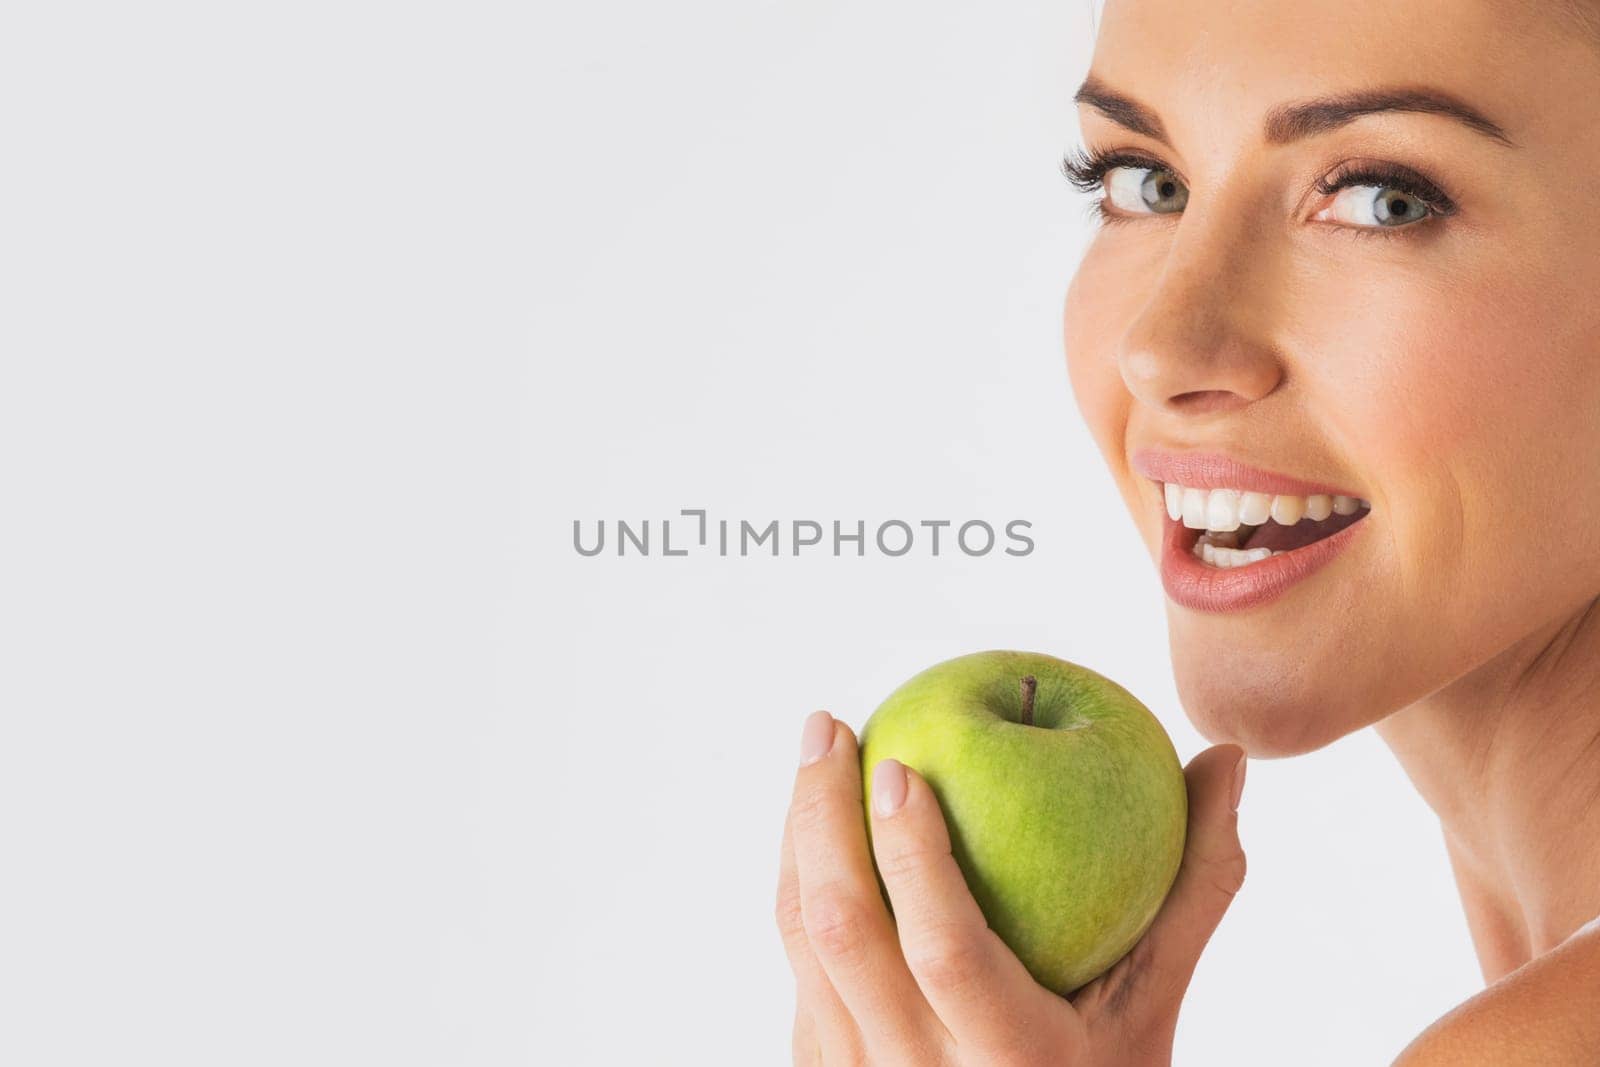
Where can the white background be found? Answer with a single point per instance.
(322, 322)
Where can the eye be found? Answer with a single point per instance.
(1385, 196)
(1374, 205)
(1134, 184)
(1145, 190)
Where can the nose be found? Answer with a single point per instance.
(1199, 345)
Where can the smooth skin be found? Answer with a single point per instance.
(1448, 370)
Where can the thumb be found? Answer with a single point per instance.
(1211, 873)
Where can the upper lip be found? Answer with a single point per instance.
(1213, 470)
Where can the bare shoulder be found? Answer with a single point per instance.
(1546, 1012)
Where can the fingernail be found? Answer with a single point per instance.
(1238, 781)
(816, 737)
(888, 786)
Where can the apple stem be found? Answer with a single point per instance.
(1030, 685)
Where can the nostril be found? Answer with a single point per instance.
(1201, 401)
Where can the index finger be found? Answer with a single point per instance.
(982, 993)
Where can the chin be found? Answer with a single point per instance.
(1270, 708)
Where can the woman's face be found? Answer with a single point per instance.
(1443, 367)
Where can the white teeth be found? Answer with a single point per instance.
(1254, 508)
(1228, 515)
(1287, 510)
(1222, 510)
(1225, 556)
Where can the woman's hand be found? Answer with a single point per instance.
(934, 985)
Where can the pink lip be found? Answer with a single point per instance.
(1196, 584)
(1210, 470)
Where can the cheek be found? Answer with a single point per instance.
(1475, 417)
(1470, 414)
(1518, 386)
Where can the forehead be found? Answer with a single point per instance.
(1208, 67)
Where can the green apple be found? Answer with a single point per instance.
(1065, 800)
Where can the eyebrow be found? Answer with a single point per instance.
(1292, 122)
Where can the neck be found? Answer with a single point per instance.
(1508, 757)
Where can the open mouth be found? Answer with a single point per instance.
(1228, 528)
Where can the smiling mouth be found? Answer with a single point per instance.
(1238, 528)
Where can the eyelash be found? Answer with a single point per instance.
(1086, 170)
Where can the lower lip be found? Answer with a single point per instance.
(1199, 586)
